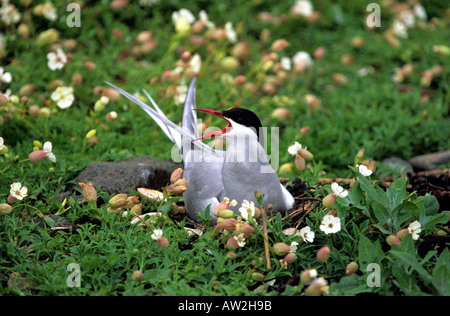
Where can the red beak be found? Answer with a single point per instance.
(223, 131)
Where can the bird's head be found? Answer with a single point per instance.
(240, 122)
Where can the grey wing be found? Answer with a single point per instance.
(205, 187)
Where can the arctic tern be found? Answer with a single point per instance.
(214, 174)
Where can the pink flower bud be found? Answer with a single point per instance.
(351, 268)
(232, 255)
(11, 199)
(177, 190)
(402, 233)
(137, 276)
(359, 156)
(224, 213)
(319, 53)
(5, 209)
(137, 209)
(3, 100)
(229, 224)
(118, 200)
(314, 290)
(290, 257)
(181, 183)
(299, 162)
(323, 254)
(248, 231)
(117, 33)
(144, 36)
(232, 243)
(426, 78)
(163, 242)
(37, 155)
(89, 192)
(239, 80)
(258, 276)
(176, 175)
(118, 4)
(305, 154)
(281, 249)
(111, 117)
(392, 240)
(279, 45)
(308, 276)
(281, 114)
(339, 79)
(304, 130)
(329, 200)
(90, 65)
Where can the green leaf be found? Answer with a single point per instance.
(373, 194)
(441, 273)
(431, 204)
(397, 191)
(381, 214)
(405, 254)
(167, 206)
(49, 221)
(369, 252)
(351, 285)
(429, 222)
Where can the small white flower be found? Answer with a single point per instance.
(196, 63)
(286, 63)
(204, 18)
(185, 14)
(240, 240)
(364, 170)
(400, 29)
(414, 229)
(63, 96)
(8, 13)
(48, 149)
(408, 18)
(5, 76)
(247, 208)
(330, 224)
(1, 143)
(303, 8)
(56, 60)
(49, 11)
(233, 202)
(338, 190)
(362, 72)
(302, 57)
(419, 11)
(307, 234)
(294, 245)
(180, 94)
(230, 32)
(18, 191)
(182, 20)
(293, 150)
(157, 234)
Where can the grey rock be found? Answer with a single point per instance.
(127, 175)
(430, 161)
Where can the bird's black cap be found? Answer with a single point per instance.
(244, 117)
